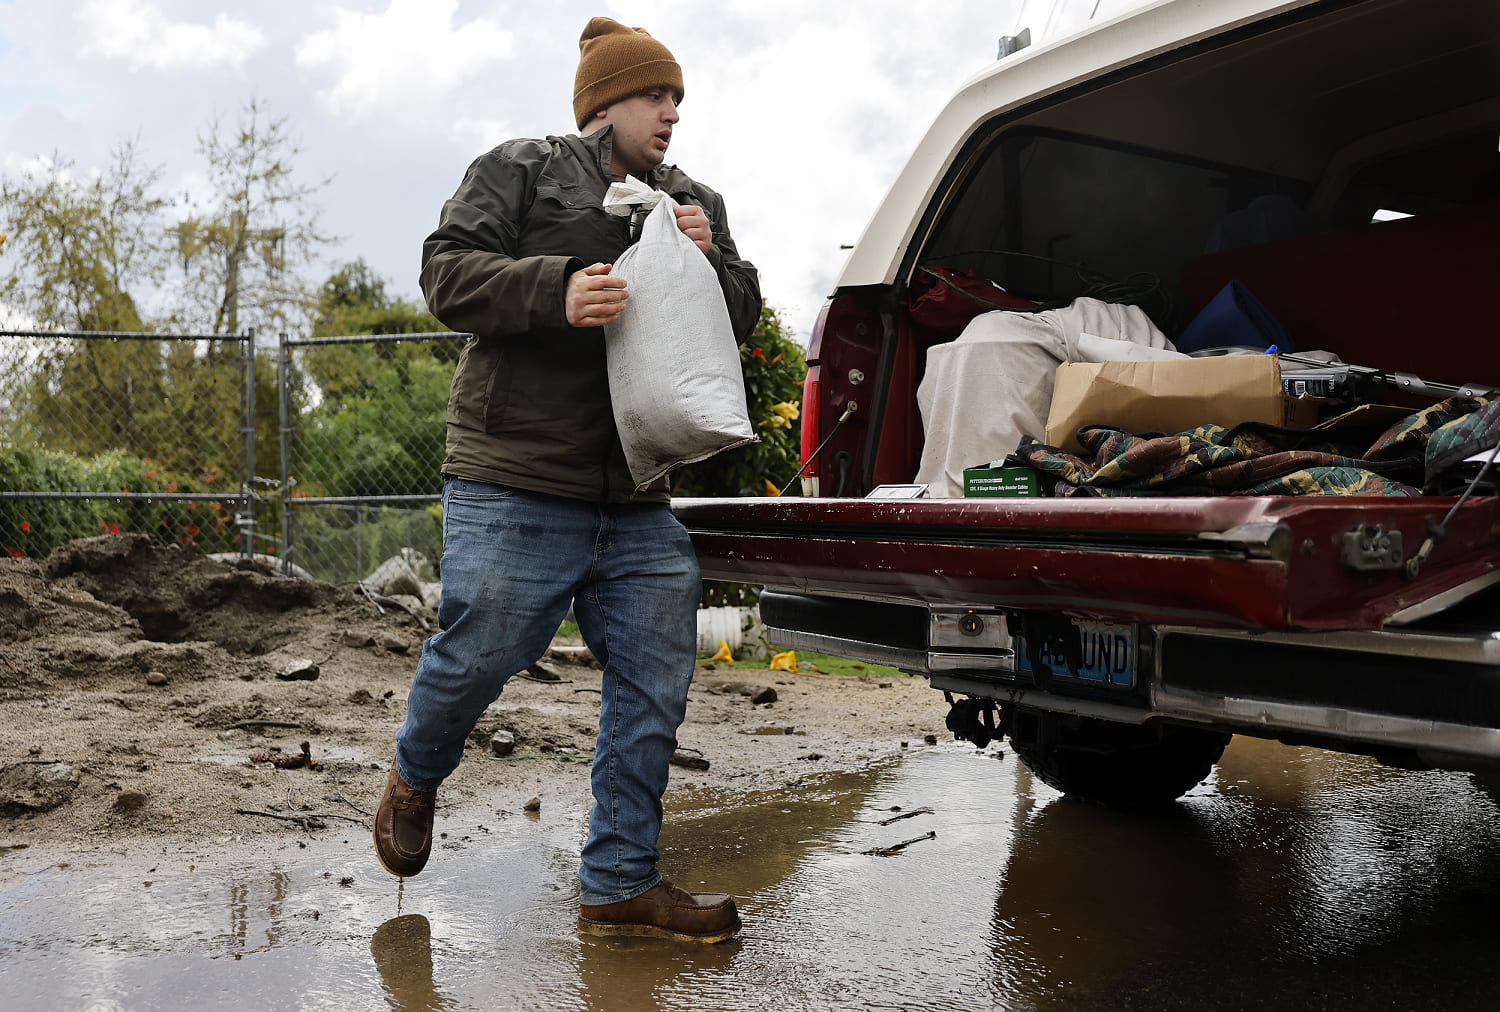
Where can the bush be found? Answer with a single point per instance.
(774, 367)
(33, 527)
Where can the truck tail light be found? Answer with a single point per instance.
(812, 399)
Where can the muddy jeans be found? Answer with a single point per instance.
(513, 561)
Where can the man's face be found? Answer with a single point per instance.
(643, 129)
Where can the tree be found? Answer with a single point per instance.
(354, 301)
(241, 254)
(377, 425)
(77, 248)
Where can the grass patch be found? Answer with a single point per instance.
(825, 664)
(569, 628)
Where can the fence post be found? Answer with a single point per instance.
(283, 379)
(247, 530)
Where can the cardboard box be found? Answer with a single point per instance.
(1169, 396)
(995, 479)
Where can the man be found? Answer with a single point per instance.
(539, 508)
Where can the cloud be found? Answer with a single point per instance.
(401, 64)
(779, 92)
(141, 35)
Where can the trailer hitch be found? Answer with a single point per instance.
(974, 720)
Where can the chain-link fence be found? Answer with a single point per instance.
(362, 444)
(113, 433)
(162, 435)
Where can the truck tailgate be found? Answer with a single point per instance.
(1273, 563)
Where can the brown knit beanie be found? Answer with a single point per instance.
(615, 63)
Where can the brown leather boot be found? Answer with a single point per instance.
(666, 911)
(403, 826)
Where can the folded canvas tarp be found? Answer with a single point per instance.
(983, 391)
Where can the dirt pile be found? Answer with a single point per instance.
(149, 695)
(111, 608)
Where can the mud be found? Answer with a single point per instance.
(886, 873)
(1294, 879)
(150, 697)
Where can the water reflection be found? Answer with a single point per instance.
(1301, 879)
(402, 950)
(1295, 879)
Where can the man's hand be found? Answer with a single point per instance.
(693, 221)
(594, 298)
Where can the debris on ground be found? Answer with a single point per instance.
(299, 669)
(686, 759)
(897, 848)
(905, 815)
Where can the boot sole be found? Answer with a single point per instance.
(603, 929)
(375, 838)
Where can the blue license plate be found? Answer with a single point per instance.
(1107, 652)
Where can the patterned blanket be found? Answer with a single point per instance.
(1360, 452)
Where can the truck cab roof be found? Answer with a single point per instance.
(1312, 92)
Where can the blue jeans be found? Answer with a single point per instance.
(513, 561)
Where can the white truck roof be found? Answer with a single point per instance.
(1023, 77)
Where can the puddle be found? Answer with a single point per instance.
(1293, 879)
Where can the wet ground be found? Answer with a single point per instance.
(1293, 879)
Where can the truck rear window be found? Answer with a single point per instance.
(1053, 216)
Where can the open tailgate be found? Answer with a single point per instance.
(1272, 563)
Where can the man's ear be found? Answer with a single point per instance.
(595, 123)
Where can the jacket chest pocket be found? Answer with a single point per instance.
(569, 220)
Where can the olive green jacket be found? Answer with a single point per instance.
(529, 405)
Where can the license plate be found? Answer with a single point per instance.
(1107, 652)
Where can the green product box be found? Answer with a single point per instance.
(995, 479)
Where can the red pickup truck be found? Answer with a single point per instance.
(1120, 641)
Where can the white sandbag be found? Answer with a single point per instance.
(674, 367)
(992, 385)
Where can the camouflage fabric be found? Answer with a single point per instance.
(1360, 452)
(1462, 437)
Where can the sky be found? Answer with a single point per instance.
(800, 114)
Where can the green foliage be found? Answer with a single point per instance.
(77, 247)
(80, 253)
(376, 426)
(34, 527)
(774, 366)
(810, 663)
(380, 431)
(86, 397)
(354, 301)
